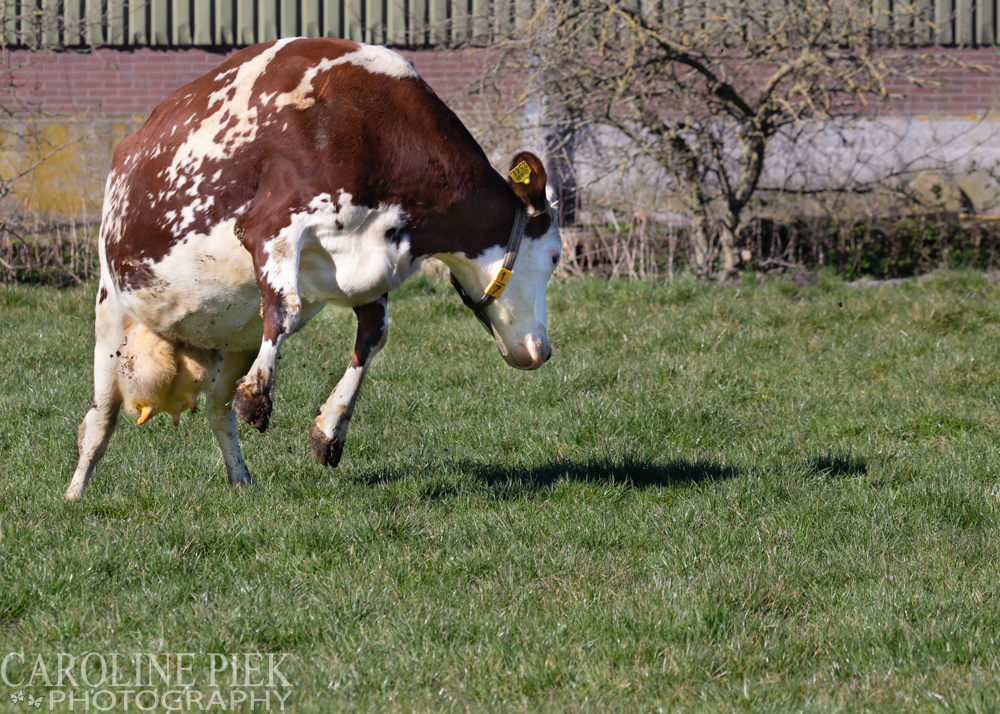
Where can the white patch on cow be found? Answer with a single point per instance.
(175, 222)
(187, 216)
(338, 252)
(116, 207)
(222, 75)
(232, 100)
(298, 97)
(334, 416)
(381, 60)
(204, 292)
(373, 58)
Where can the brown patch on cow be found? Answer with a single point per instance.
(102, 295)
(253, 408)
(371, 330)
(322, 132)
(325, 450)
(133, 275)
(538, 226)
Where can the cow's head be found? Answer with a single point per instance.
(517, 318)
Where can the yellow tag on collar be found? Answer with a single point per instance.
(521, 173)
(499, 283)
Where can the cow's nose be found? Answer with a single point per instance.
(539, 351)
(520, 357)
(542, 354)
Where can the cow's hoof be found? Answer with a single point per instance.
(252, 408)
(326, 450)
(240, 478)
(239, 483)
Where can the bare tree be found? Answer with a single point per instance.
(701, 89)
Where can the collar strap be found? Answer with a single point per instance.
(496, 287)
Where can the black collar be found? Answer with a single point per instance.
(496, 287)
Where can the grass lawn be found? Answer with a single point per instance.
(760, 498)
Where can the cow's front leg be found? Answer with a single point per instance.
(276, 262)
(329, 432)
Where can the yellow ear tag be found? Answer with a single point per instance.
(499, 283)
(521, 173)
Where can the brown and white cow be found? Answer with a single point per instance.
(299, 173)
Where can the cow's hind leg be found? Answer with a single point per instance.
(276, 262)
(329, 432)
(99, 423)
(226, 369)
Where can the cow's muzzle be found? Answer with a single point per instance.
(527, 355)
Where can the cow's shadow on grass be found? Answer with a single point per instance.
(625, 471)
(837, 465)
(628, 472)
(635, 473)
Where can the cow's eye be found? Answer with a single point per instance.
(555, 259)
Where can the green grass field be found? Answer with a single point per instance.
(754, 498)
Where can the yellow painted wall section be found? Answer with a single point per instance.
(74, 155)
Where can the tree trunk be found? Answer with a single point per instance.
(699, 248)
(729, 258)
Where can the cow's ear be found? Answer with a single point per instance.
(527, 177)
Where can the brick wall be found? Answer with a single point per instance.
(114, 82)
(955, 92)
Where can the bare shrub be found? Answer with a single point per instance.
(679, 103)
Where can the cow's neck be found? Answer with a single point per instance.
(471, 234)
(474, 244)
(474, 273)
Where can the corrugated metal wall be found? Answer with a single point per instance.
(165, 23)
(952, 22)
